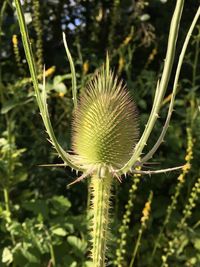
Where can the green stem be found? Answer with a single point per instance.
(124, 227)
(193, 101)
(101, 190)
(7, 204)
(8, 212)
(170, 209)
(136, 247)
(53, 259)
(196, 57)
(144, 219)
(2, 11)
(6, 188)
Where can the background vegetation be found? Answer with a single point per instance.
(42, 223)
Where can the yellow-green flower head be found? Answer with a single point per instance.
(105, 125)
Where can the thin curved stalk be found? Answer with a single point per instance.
(137, 245)
(101, 191)
(3, 8)
(144, 219)
(41, 99)
(157, 171)
(170, 110)
(173, 34)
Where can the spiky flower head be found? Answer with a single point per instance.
(105, 125)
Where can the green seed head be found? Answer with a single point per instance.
(105, 126)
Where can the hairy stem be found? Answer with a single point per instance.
(101, 191)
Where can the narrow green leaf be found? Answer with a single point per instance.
(74, 87)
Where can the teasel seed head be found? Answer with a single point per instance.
(105, 124)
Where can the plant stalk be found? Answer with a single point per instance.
(136, 247)
(7, 204)
(53, 259)
(101, 191)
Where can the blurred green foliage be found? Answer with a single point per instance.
(42, 223)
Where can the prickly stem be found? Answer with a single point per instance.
(101, 191)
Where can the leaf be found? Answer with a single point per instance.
(59, 231)
(69, 227)
(183, 243)
(20, 177)
(28, 17)
(37, 207)
(60, 78)
(15, 228)
(3, 169)
(9, 105)
(61, 203)
(197, 244)
(7, 256)
(88, 264)
(18, 152)
(30, 256)
(77, 243)
(60, 88)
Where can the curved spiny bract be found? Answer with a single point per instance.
(105, 126)
(161, 86)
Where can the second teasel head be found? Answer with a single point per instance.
(105, 123)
